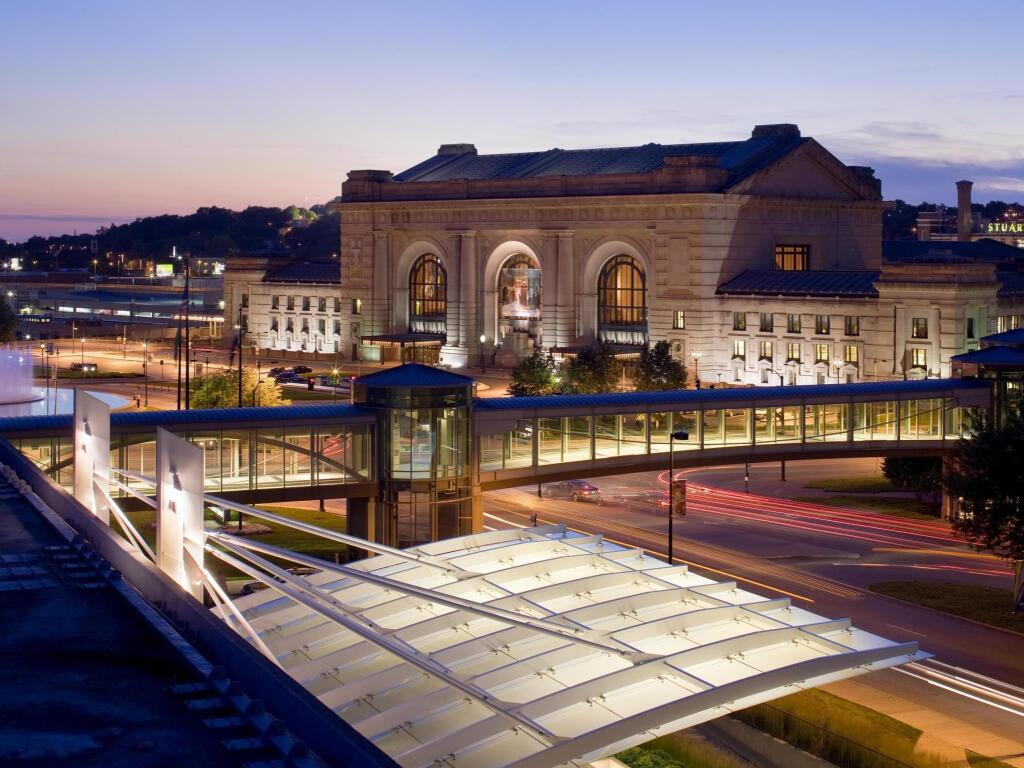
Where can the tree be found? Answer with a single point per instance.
(534, 376)
(988, 484)
(592, 370)
(658, 370)
(920, 474)
(220, 390)
(8, 321)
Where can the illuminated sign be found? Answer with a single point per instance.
(164, 270)
(1006, 228)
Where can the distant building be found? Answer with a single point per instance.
(761, 261)
(967, 225)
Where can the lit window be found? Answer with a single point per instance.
(357, 306)
(793, 324)
(919, 328)
(679, 321)
(767, 324)
(622, 293)
(739, 321)
(792, 258)
(851, 354)
(919, 358)
(739, 348)
(822, 324)
(793, 352)
(428, 295)
(821, 353)
(765, 352)
(852, 325)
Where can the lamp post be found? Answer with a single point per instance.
(82, 339)
(145, 370)
(334, 382)
(838, 365)
(483, 340)
(696, 368)
(672, 437)
(238, 339)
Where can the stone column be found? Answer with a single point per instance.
(470, 321)
(381, 305)
(550, 300)
(565, 317)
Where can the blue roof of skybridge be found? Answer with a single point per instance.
(223, 418)
(694, 397)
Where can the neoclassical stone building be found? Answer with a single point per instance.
(761, 260)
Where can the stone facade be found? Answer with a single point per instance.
(690, 224)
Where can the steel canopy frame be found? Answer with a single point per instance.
(434, 681)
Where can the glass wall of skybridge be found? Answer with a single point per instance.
(540, 441)
(235, 459)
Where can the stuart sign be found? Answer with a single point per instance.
(1006, 228)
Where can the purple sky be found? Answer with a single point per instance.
(114, 110)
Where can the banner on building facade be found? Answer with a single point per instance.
(519, 293)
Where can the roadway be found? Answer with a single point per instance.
(822, 558)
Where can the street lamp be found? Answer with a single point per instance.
(238, 339)
(483, 340)
(145, 370)
(334, 382)
(82, 339)
(696, 368)
(672, 437)
(838, 365)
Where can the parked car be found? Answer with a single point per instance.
(302, 369)
(576, 490)
(85, 367)
(277, 371)
(288, 377)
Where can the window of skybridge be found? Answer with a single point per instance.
(777, 424)
(921, 419)
(564, 439)
(875, 421)
(826, 422)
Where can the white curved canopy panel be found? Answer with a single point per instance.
(540, 647)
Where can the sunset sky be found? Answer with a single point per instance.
(113, 110)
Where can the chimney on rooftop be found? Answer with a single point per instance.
(964, 221)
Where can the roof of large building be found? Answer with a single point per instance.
(542, 647)
(997, 355)
(756, 282)
(1011, 337)
(739, 158)
(978, 250)
(307, 272)
(1013, 283)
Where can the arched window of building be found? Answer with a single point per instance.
(428, 295)
(622, 301)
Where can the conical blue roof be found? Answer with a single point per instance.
(414, 375)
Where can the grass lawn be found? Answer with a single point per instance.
(988, 605)
(853, 485)
(798, 718)
(980, 761)
(69, 374)
(303, 395)
(886, 505)
(280, 535)
(677, 750)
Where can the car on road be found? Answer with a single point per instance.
(85, 367)
(302, 369)
(575, 490)
(288, 377)
(277, 371)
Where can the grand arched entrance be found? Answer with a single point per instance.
(622, 302)
(518, 298)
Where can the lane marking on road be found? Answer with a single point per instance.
(904, 629)
(957, 685)
(947, 552)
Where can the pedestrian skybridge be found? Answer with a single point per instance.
(335, 451)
